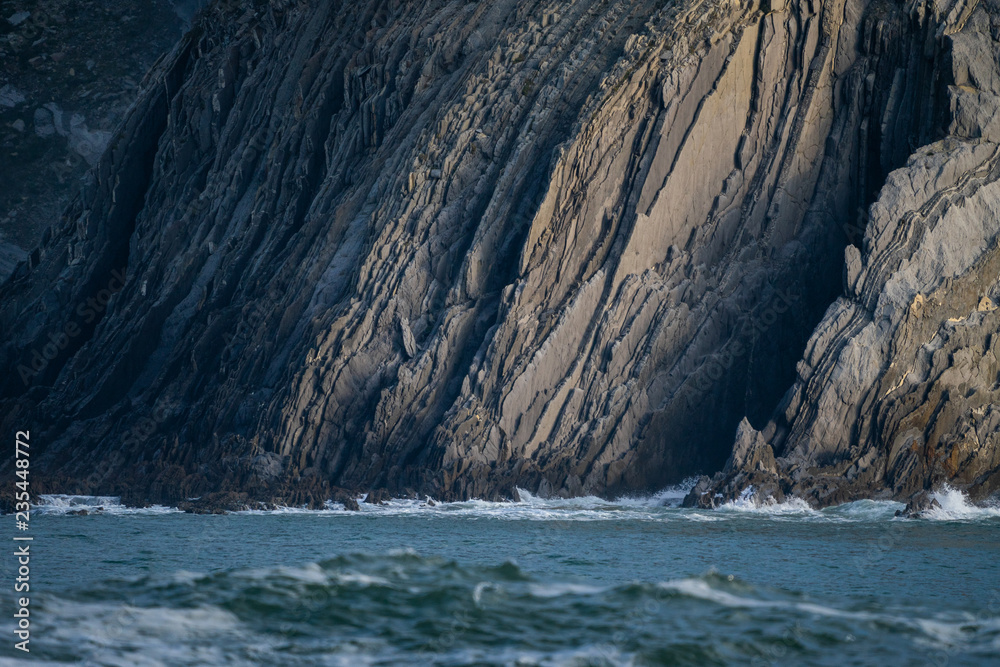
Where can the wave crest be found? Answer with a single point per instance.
(956, 506)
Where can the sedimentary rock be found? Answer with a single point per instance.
(68, 74)
(899, 387)
(458, 248)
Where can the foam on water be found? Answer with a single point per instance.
(671, 496)
(946, 629)
(560, 589)
(124, 634)
(663, 506)
(955, 506)
(174, 624)
(750, 501)
(865, 510)
(64, 504)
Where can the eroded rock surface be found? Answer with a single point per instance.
(455, 248)
(899, 388)
(69, 70)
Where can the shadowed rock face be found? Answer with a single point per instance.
(899, 386)
(458, 247)
(68, 75)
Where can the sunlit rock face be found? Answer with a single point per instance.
(458, 248)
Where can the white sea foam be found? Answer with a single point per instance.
(64, 504)
(750, 501)
(942, 630)
(864, 510)
(661, 507)
(130, 635)
(481, 587)
(311, 573)
(955, 506)
(186, 577)
(603, 653)
(671, 496)
(559, 589)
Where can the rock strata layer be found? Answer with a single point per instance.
(69, 70)
(459, 248)
(898, 391)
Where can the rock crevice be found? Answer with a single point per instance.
(462, 248)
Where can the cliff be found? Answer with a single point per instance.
(68, 73)
(456, 248)
(898, 389)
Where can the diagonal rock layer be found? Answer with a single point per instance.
(458, 248)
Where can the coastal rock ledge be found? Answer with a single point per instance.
(458, 248)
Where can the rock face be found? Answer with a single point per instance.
(68, 74)
(899, 387)
(569, 247)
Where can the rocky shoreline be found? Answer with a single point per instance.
(455, 248)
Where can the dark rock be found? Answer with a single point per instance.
(10, 97)
(750, 467)
(43, 57)
(696, 497)
(543, 258)
(351, 505)
(378, 497)
(216, 503)
(267, 466)
(919, 503)
(347, 498)
(131, 499)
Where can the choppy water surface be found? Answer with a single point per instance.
(540, 582)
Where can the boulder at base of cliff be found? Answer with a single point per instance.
(919, 502)
(750, 472)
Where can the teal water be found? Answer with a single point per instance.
(575, 582)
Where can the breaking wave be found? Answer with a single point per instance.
(955, 506)
(663, 506)
(404, 608)
(86, 505)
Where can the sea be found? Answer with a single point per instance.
(583, 581)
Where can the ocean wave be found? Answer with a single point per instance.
(57, 504)
(750, 501)
(948, 628)
(560, 589)
(955, 506)
(366, 608)
(125, 634)
(864, 510)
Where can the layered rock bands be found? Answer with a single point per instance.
(456, 248)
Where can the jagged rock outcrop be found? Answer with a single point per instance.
(462, 247)
(899, 388)
(751, 469)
